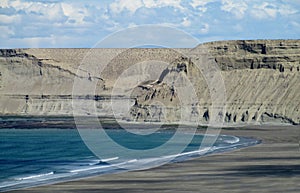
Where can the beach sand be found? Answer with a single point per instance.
(272, 166)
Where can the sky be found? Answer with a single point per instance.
(81, 24)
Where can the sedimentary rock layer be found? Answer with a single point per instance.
(260, 77)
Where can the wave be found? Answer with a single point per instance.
(204, 150)
(33, 180)
(92, 166)
(89, 168)
(103, 166)
(232, 141)
(35, 176)
(109, 159)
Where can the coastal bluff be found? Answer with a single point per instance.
(261, 79)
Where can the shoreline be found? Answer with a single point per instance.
(272, 165)
(179, 159)
(68, 122)
(184, 156)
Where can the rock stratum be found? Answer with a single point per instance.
(261, 80)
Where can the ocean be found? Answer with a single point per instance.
(32, 157)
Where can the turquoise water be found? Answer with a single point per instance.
(30, 157)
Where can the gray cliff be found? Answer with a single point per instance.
(261, 78)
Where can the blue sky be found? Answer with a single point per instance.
(65, 23)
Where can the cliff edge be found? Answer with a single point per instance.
(261, 79)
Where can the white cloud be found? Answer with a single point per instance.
(130, 5)
(4, 3)
(150, 3)
(8, 19)
(19, 5)
(237, 8)
(165, 3)
(75, 14)
(42, 11)
(54, 12)
(6, 32)
(51, 12)
(286, 10)
(204, 28)
(270, 10)
(260, 13)
(196, 3)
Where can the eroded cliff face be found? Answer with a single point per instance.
(261, 79)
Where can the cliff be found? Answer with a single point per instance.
(261, 79)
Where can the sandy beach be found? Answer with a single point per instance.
(272, 166)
